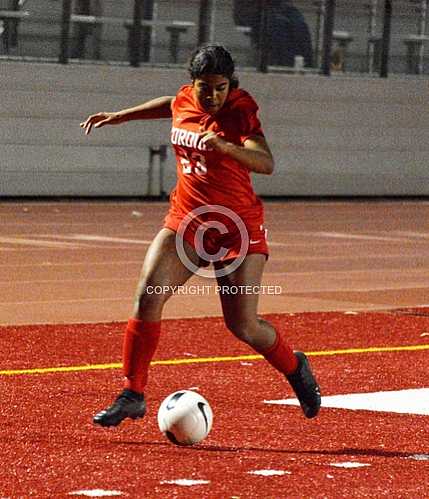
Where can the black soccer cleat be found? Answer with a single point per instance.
(305, 386)
(128, 404)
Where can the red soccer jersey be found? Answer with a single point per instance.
(207, 177)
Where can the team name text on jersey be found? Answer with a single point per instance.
(182, 137)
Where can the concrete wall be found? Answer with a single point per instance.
(337, 136)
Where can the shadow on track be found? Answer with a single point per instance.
(321, 452)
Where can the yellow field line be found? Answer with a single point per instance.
(202, 360)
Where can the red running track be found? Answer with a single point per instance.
(79, 262)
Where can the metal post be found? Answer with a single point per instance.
(206, 21)
(422, 32)
(147, 31)
(161, 153)
(65, 32)
(98, 30)
(263, 43)
(385, 43)
(372, 26)
(162, 159)
(327, 37)
(319, 30)
(136, 31)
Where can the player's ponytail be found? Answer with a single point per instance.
(212, 59)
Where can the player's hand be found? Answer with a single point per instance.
(213, 140)
(98, 120)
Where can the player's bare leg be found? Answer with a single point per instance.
(162, 271)
(240, 313)
(240, 309)
(162, 267)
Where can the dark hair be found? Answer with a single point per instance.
(212, 59)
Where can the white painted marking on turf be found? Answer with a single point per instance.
(37, 242)
(117, 263)
(336, 273)
(269, 472)
(422, 235)
(88, 237)
(82, 300)
(344, 235)
(349, 464)
(185, 482)
(96, 493)
(85, 279)
(61, 224)
(413, 401)
(330, 258)
(419, 457)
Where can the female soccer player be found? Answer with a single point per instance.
(214, 216)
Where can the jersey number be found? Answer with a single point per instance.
(195, 163)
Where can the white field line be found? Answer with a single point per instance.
(358, 289)
(88, 247)
(291, 258)
(337, 235)
(80, 300)
(345, 235)
(89, 237)
(394, 272)
(74, 224)
(407, 401)
(418, 235)
(95, 493)
(322, 234)
(60, 280)
(80, 239)
(72, 264)
(37, 242)
(107, 239)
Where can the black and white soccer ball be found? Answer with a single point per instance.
(185, 417)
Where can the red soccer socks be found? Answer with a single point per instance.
(281, 356)
(140, 342)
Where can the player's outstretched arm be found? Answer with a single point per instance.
(153, 109)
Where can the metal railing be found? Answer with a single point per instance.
(325, 36)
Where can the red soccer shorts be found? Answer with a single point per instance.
(222, 242)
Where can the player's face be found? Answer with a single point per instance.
(211, 91)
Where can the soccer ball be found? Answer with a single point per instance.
(185, 417)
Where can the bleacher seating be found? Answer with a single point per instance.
(174, 31)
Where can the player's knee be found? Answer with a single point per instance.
(151, 296)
